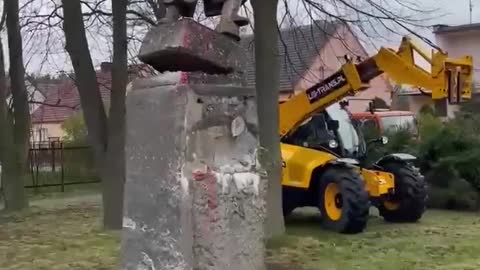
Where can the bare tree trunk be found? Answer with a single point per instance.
(92, 107)
(267, 72)
(107, 140)
(3, 104)
(16, 154)
(85, 77)
(6, 136)
(114, 171)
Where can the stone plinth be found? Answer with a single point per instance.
(186, 45)
(194, 198)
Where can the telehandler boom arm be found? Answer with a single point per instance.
(448, 79)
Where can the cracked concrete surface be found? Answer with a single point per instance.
(194, 198)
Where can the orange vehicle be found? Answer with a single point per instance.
(387, 120)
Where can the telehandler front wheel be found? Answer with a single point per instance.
(343, 200)
(408, 202)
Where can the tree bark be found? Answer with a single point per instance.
(92, 104)
(107, 136)
(114, 171)
(15, 156)
(6, 135)
(267, 73)
(85, 77)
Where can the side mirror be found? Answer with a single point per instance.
(333, 124)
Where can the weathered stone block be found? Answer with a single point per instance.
(194, 197)
(192, 78)
(186, 45)
(157, 230)
(227, 191)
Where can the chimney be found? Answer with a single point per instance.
(106, 67)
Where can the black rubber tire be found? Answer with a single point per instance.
(355, 200)
(410, 192)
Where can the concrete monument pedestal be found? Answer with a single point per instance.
(194, 198)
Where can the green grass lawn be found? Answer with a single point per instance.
(442, 240)
(64, 233)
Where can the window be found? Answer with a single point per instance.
(346, 130)
(311, 132)
(391, 123)
(40, 135)
(369, 128)
(369, 124)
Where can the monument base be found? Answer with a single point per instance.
(193, 195)
(194, 198)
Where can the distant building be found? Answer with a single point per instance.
(310, 53)
(461, 40)
(62, 100)
(36, 97)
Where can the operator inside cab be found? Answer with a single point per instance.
(330, 130)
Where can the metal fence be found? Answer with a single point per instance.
(55, 164)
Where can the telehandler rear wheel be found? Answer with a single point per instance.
(343, 200)
(408, 202)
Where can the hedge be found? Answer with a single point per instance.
(448, 155)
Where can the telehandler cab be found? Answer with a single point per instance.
(320, 146)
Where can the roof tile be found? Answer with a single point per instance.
(297, 47)
(63, 100)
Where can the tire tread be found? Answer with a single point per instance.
(413, 192)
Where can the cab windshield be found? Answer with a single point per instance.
(346, 130)
(393, 123)
(312, 133)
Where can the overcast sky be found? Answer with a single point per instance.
(451, 12)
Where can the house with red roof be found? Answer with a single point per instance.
(62, 101)
(310, 53)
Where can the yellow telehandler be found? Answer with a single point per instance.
(318, 141)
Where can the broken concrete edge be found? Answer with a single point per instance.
(227, 192)
(154, 35)
(207, 90)
(163, 79)
(188, 78)
(243, 178)
(174, 79)
(221, 90)
(183, 59)
(205, 49)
